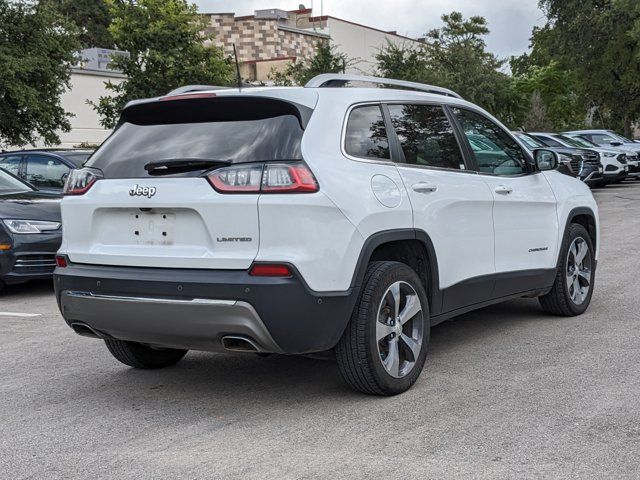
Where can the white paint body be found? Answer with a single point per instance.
(475, 230)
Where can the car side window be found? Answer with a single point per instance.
(11, 164)
(46, 172)
(602, 139)
(495, 151)
(426, 136)
(366, 135)
(549, 141)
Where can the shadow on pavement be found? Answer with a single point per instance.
(218, 382)
(28, 289)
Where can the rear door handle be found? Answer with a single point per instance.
(423, 187)
(503, 190)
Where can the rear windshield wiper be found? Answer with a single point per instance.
(178, 165)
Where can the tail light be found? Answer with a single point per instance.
(270, 270)
(61, 261)
(264, 178)
(80, 181)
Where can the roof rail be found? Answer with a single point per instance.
(340, 79)
(195, 88)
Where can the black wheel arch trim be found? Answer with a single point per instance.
(572, 215)
(380, 238)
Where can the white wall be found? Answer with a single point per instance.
(361, 43)
(85, 125)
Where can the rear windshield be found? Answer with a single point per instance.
(230, 131)
(77, 159)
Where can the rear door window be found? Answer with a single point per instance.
(426, 136)
(240, 131)
(46, 172)
(366, 135)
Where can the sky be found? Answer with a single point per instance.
(510, 21)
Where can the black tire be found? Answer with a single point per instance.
(358, 352)
(140, 356)
(559, 300)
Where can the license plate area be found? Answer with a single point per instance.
(152, 228)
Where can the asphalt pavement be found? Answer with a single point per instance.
(507, 392)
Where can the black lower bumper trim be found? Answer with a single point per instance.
(298, 319)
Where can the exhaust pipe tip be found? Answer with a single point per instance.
(85, 330)
(235, 343)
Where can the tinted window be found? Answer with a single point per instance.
(426, 136)
(11, 164)
(505, 157)
(578, 141)
(9, 184)
(226, 129)
(548, 141)
(46, 172)
(366, 135)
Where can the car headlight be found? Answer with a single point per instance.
(610, 154)
(564, 158)
(31, 226)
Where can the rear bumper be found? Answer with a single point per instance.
(196, 309)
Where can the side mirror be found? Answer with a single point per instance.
(545, 159)
(616, 144)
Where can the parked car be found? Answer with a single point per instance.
(44, 169)
(300, 220)
(30, 232)
(580, 163)
(606, 138)
(614, 162)
(632, 155)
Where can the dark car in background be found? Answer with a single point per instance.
(44, 169)
(579, 162)
(30, 231)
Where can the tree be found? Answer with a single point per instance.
(37, 47)
(92, 18)
(600, 41)
(455, 56)
(553, 92)
(166, 45)
(326, 60)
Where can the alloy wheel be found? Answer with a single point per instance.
(578, 270)
(399, 329)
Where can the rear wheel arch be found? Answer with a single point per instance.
(412, 247)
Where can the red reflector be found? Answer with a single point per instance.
(270, 270)
(61, 261)
(188, 96)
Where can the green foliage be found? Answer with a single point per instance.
(555, 103)
(37, 46)
(167, 51)
(455, 56)
(326, 60)
(92, 18)
(599, 40)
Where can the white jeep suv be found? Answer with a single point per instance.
(301, 220)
